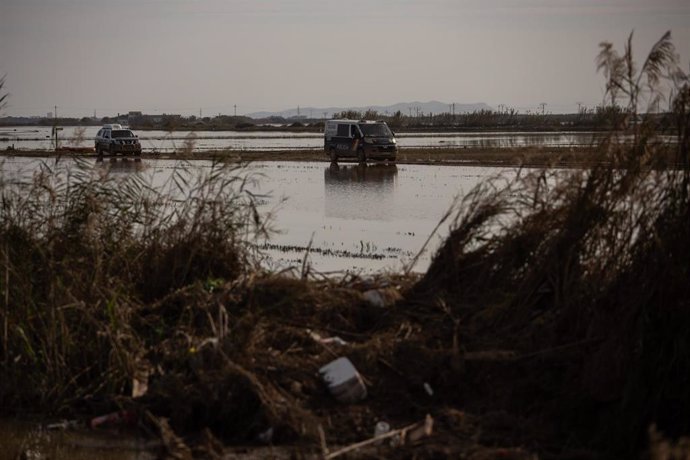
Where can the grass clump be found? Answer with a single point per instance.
(81, 251)
(585, 274)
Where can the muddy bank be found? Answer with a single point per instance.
(518, 156)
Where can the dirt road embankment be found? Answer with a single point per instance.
(519, 156)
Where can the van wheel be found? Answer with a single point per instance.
(334, 155)
(361, 156)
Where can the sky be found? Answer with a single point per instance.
(186, 56)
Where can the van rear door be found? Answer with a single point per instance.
(343, 141)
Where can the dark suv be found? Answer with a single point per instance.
(114, 139)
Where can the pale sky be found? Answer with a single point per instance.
(179, 56)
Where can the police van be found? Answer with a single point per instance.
(363, 140)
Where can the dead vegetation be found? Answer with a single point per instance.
(552, 322)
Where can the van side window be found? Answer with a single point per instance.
(354, 132)
(343, 130)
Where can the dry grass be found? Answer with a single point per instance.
(81, 252)
(594, 262)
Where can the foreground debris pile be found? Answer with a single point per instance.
(224, 365)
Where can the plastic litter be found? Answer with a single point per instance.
(381, 428)
(428, 389)
(382, 297)
(63, 425)
(326, 340)
(265, 436)
(375, 298)
(119, 418)
(343, 380)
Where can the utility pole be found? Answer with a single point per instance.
(543, 107)
(56, 129)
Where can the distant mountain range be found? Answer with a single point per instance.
(407, 108)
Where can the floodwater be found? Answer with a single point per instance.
(351, 217)
(362, 217)
(39, 138)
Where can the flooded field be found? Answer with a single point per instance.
(351, 217)
(39, 138)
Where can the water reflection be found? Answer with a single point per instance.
(120, 165)
(350, 190)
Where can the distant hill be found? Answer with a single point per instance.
(406, 108)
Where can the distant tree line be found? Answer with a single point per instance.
(602, 117)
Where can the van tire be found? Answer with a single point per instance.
(361, 156)
(333, 154)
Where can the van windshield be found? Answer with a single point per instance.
(122, 133)
(375, 130)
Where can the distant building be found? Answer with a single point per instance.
(134, 118)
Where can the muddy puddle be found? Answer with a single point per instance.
(353, 217)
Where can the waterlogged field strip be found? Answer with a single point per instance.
(39, 138)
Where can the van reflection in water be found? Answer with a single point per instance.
(350, 190)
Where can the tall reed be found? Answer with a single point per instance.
(596, 259)
(82, 250)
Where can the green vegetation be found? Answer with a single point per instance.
(554, 319)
